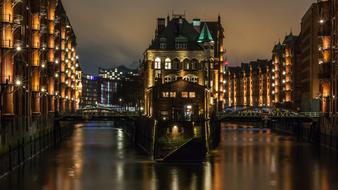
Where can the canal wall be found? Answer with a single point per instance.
(20, 143)
(307, 131)
(145, 134)
(165, 140)
(329, 132)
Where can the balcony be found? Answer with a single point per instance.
(6, 44)
(6, 18)
(35, 26)
(324, 71)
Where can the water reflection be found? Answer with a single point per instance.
(100, 157)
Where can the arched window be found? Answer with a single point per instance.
(191, 78)
(194, 64)
(187, 64)
(157, 63)
(167, 64)
(170, 78)
(176, 64)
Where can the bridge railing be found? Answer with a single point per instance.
(311, 114)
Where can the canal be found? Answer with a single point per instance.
(98, 157)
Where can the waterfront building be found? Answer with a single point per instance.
(328, 65)
(284, 57)
(307, 67)
(184, 62)
(249, 85)
(40, 71)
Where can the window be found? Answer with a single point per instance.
(194, 64)
(180, 45)
(158, 74)
(172, 94)
(157, 63)
(175, 64)
(185, 95)
(191, 78)
(167, 64)
(163, 45)
(187, 64)
(192, 95)
(181, 42)
(170, 78)
(165, 94)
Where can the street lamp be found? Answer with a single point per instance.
(18, 83)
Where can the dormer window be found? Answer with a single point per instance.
(180, 45)
(181, 42)
(163, 43)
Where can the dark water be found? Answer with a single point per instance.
(98, 158)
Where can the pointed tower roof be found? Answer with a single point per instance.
(278, 47)
(205, 35)
(290, 38)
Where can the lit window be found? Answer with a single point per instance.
(165, 94)
(192, 95)
(167, 64)
(191, 78)
(172, 94)
(157, 63)
(180, 45)
(185, 95)
(170, 78)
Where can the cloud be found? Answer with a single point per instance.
(117, 32)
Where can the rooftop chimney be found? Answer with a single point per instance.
(160, 26)
(196, 22)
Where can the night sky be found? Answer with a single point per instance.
(115, 32)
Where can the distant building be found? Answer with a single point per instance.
(118, 73)
(90, 91)
(113, 87)
(284, 57)
(307, 67)
(249, 85)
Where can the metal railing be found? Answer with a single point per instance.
(311, 114)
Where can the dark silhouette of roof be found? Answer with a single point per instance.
(177, 30)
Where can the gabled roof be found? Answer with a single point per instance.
(290, 38)
(177, 29)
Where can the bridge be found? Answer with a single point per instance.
(255, 114)
(100, 114)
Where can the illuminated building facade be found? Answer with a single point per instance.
(307, 67)
(40, 71)
(328, 61)
(284, 57)
(184, 54)
(249, 85)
